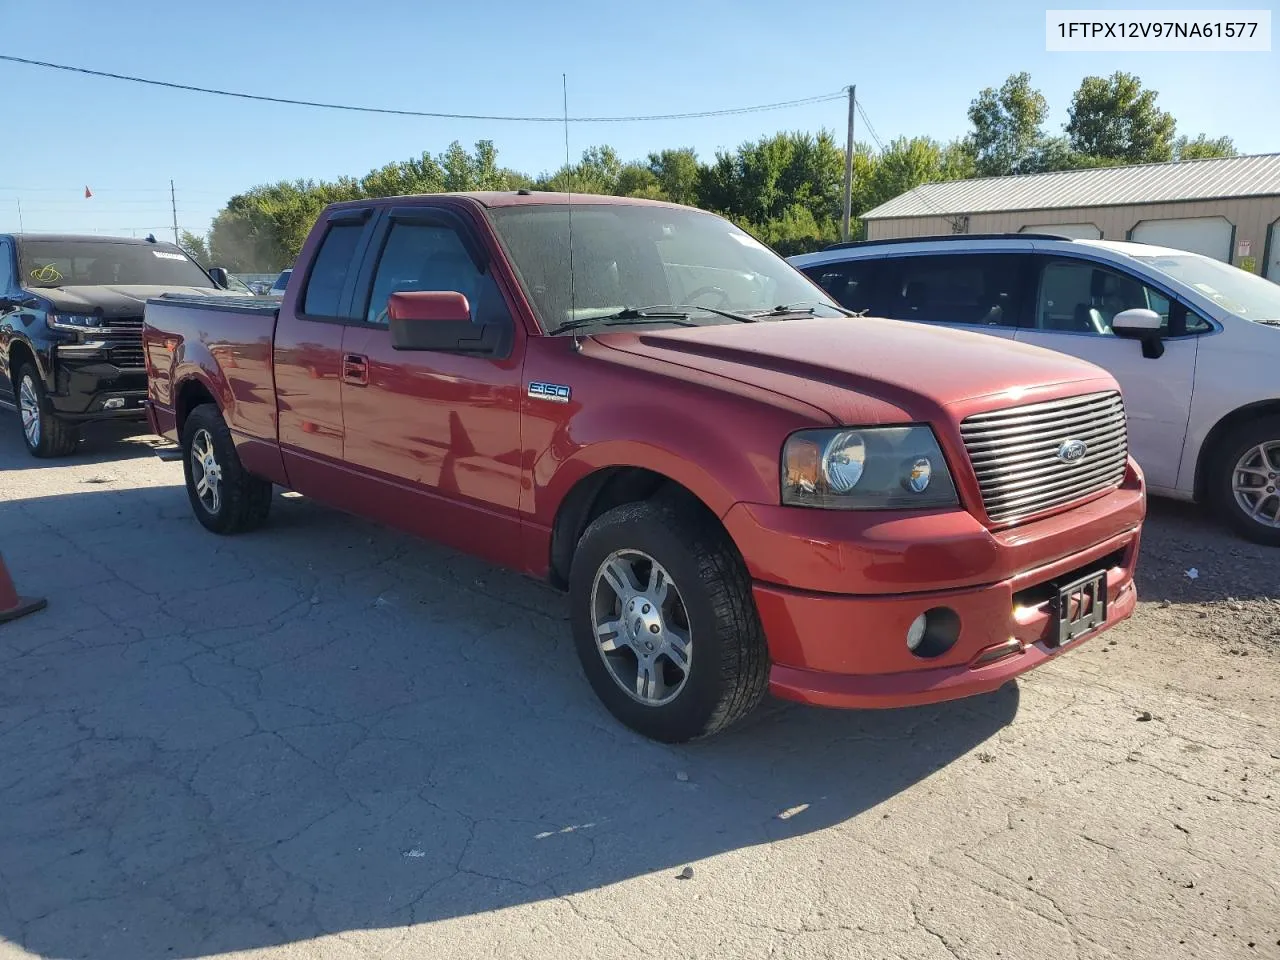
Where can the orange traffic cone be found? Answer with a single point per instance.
(13, 606)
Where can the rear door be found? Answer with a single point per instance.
(982, 292)
(1075, 302)
(307, 355)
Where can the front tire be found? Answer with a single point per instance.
(44, 434)
(1244, 487)
(225, 497)
(664, 622)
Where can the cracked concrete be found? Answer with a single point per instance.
(325, 739)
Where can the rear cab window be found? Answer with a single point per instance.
(334, 264)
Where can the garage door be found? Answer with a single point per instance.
(1077, 231)
(1210, 236)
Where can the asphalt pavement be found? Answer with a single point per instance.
(327, 739)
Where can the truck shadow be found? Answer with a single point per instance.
(210, 745)
(104, 442)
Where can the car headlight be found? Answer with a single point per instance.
(871, 468)
(74, 321)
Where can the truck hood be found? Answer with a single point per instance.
(114, 300)
(852, 367)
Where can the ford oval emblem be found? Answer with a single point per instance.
(1072, 451)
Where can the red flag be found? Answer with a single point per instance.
(87, 193)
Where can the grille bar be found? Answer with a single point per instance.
(1014, 453)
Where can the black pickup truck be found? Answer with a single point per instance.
(71, 328)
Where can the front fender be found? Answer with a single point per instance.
(720, 449)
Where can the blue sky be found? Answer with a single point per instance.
(917, 66)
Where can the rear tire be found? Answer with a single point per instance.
(1244, 482)
(669, 580)
(42, 431)
(224, 496)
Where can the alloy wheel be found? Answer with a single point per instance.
(641, 627)
(1255, 481)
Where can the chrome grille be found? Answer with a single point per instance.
(127, 355)
(122, 323)
(1015, 453)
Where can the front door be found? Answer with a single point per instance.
(434, 436)
(1075, 303)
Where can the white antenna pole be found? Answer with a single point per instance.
(21, 228)
(568, 172)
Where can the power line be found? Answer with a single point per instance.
(782, 104)
(870, 128)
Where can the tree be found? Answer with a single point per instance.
(1115, 118)
(905, 164)
(1006, 126)
(678, 174)
(1202, 148)
(196, 247)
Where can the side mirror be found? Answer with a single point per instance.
(439, 321)
(219, 276)
(1143, 325)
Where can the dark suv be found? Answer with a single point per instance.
(71, 328)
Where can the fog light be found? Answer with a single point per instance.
(113, 403)
(934, 632)
(915, 632)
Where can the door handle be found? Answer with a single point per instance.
(355, 369)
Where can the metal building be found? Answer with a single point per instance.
(1226, 208)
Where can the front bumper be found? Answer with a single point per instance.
(97, 384)
(847, 647)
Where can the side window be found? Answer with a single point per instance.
(976, 289)
(849, 284)
(420, 256)
(6, 267)
(334, 260)
(1076, 296)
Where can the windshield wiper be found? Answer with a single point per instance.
(679, 314)
(629, 315)
(790, 309)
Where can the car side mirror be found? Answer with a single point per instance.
(1143, 325)
(439, 321)
(219, 276)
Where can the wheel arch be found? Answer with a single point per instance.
(1220, 430)
(600, 491)
(191, 392)
(19, 353)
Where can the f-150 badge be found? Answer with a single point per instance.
(555, 392)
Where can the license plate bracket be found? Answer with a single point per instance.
(1080, 608)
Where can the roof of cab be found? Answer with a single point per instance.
(517, 198)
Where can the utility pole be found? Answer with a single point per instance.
(173, 203)
(848, 166)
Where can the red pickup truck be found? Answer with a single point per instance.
(742, 486)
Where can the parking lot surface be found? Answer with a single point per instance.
(325, 739)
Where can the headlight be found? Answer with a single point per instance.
(74, 321)
(872, 468)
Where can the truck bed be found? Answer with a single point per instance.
(203, 349)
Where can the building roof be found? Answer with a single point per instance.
(1253, 176)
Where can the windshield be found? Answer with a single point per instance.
(1244, 294)
(640, 257)
(66, 263)
(282, 280)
